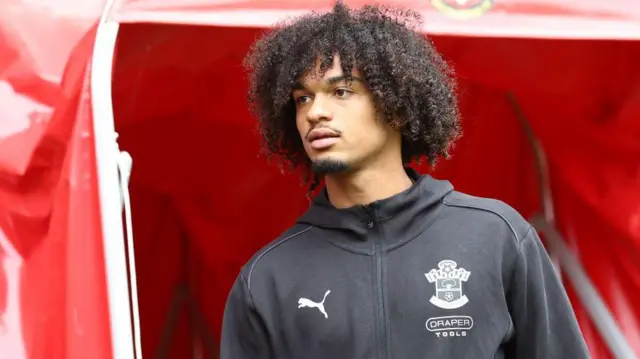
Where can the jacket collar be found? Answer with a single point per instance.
(394, 220)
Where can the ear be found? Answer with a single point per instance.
(388, 119)
(397, 122)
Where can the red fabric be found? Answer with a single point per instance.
(53, 301)
(203, 200)
(612, 19)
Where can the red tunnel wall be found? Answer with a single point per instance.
(204, 200)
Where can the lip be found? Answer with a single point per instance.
(322, 138)
(321, 133)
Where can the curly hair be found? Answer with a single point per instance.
(413, 87)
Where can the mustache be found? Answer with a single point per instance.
(334, 130)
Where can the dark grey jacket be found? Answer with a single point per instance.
(428, 273)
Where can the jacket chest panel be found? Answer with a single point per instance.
(445, 303)
(325, 307)
(437, 302)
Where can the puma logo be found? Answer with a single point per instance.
(306, 303)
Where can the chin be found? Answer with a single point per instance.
(329, 165)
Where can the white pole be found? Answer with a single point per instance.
(107, 155)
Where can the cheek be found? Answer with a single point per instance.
(372, 137)
(301, 124)
(369, 129)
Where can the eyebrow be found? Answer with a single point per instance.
(330, 81)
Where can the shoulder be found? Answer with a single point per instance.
(266, 253)
(487, 212)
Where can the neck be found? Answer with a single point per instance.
(366, 186)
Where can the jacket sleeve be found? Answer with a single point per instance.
(544, 321)
(243, 332)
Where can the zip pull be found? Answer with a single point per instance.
(368, 209)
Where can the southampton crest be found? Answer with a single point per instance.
(448, 281)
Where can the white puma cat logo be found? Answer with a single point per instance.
(304, 302)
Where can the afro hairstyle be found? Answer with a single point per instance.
(413, 87)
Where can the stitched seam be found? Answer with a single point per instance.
(253, 304)
(269, 250)
(250, 295)
(490, 211)
(515, 260)
(512, 330)
(526, 235)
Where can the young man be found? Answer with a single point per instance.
(386, 263)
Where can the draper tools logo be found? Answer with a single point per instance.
(450, 326)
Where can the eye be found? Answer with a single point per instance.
(301, 100)
(342, 92)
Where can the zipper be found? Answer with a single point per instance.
(380, 307)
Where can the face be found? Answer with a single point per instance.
(337, 121)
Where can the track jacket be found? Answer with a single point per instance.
(428, 273)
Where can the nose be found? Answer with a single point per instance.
(320, 110)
